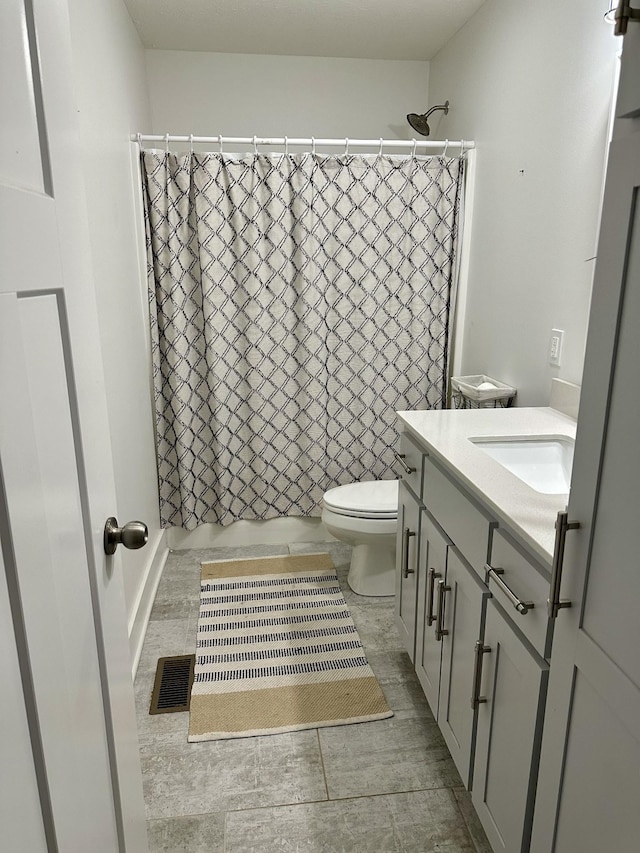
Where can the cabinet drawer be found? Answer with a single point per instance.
(411, 456)
(464, 522)
(528, 585)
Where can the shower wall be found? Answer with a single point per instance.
(535, 92)
(243, 95)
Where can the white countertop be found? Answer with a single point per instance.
(446, 434)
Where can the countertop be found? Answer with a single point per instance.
(445, 433)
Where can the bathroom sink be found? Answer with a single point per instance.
(542, 462)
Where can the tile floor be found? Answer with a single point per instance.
(387, 786)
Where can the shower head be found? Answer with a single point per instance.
(419, 122)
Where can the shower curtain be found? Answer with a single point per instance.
(296, 302)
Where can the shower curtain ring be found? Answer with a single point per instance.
(461, 148)
(220, 141)
(166, 143)
(286, 146)
(255, 145)
(139, 140)
(346, 146)
(313, 145)
(415, 145)
(191, 142)
(380, 151)
(446, 145)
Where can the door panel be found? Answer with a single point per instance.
(42, 523)
(610, 615)
(20, 807)
(602, 761)
(508, 737)
(20, 155)
(432, 559)
(464, 614)
(407, 583)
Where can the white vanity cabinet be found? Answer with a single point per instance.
(477, 639)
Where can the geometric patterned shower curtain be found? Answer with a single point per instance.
(296, 303)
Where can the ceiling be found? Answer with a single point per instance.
(362, 29)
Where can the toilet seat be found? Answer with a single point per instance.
(377, 499)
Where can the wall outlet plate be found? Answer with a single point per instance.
(555, 347)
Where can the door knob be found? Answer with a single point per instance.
(133, 535)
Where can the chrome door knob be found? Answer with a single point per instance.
(133, 535)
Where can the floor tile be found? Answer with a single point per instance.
(245, 772)
(398, 680)
(194, 834)
(165, 637)
(393, 785)
(157, 732)
(399, 823)
(481, 843)
(376, 627)
(403, 753)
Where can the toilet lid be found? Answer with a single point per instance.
(377, 499)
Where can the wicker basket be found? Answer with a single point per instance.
(480, 391)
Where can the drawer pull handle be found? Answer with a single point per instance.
(443, 589)
(406, 535)
(554, 605)
(400, 457)
(523, 607)
(432, 575)
(479, 652)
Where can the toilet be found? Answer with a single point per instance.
(365, 515)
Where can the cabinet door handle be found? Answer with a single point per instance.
(406, 535)
(479, 652)
(554, 605)
(443, 589)
(523, 607)
(432, 575)
(400, 457)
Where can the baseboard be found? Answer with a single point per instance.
(142, 611)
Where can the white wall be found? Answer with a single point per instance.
(533, 87)
(113, 102)
(244, 95)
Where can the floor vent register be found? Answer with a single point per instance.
(172, 686)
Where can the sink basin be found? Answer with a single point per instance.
(542, 462)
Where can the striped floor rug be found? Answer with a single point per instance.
(277, 651)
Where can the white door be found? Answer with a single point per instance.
(588, 796)
(70, 778)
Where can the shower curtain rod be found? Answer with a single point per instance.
(285, 141)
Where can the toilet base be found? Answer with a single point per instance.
(372, 570)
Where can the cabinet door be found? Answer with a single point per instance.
(513, 684)
(463, 601)
(406, 567)
(432, 567)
